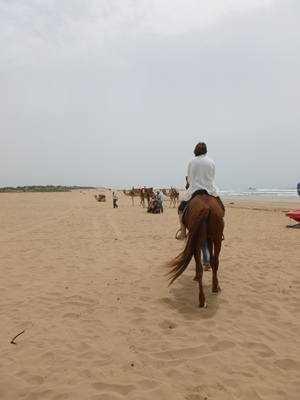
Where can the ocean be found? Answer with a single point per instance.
(289, 194)
(281, 195)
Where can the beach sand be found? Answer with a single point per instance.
(86, 284)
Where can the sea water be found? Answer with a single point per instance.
(281, 195)
(286, 194)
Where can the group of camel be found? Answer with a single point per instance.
(145, 195)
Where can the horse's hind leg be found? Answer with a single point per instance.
(215, 283)
(215, 265)
(198, 277)
(198, 269)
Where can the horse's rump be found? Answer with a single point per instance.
(214, 219)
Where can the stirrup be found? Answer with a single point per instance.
(176, 235)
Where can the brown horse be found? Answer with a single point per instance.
(204, 220)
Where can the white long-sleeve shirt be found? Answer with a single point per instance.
(201, 174)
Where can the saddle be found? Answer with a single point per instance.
(199, 192)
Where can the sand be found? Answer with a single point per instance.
(85, 283)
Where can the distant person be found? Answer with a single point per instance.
(160, 199)
(152, 198)
(200, 176)
(115, 198)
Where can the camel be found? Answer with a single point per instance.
(174, 196)
(101, 198)
(153, 206)
(146, 194)
(132, 193)
(143, 194)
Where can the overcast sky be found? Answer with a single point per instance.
(116, 93)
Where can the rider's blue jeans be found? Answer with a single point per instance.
(205, 252)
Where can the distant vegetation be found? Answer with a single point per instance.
(48, 188)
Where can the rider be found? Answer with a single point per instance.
(201, 173)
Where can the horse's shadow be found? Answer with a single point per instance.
(185, 300)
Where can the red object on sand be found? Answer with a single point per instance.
(294, 214)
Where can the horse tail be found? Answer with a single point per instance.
(179, 264)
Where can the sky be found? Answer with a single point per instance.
(117, 93)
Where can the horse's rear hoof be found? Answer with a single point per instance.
(204, 305)
(216, 290)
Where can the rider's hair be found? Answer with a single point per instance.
(200, 149)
